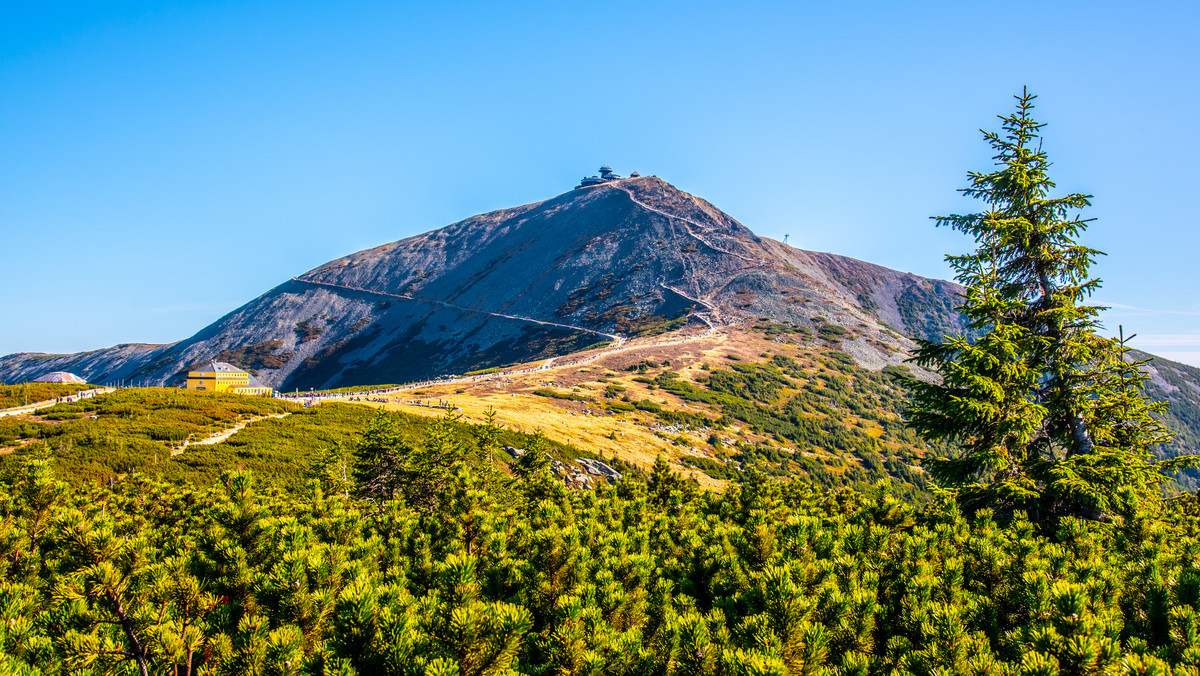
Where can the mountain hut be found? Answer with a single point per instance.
(219, 376)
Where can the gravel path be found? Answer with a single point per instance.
(218, 437)
(405, 296)
(688, 223)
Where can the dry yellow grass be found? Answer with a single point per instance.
(630, 437)
(564, 421)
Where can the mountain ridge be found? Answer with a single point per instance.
(533, 281)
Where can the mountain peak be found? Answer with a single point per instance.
(619, 257)
(606, 175)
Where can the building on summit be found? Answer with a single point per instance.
(606, 176)
(221, 377)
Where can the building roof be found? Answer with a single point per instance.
(216, 367)
(254, 382)
(59, 377)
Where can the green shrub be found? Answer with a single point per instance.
(519, 575)
(831, 332)
(12, 396)
(554, 394)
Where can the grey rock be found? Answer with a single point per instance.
(581, 264)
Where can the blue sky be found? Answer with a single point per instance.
(137, 139)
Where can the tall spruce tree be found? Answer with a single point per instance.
(1046, 415)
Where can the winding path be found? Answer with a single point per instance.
(709, 316)
(405, 296)
(702, 316)
(549, 364)
(218, 437)
(688, 223)
(30, 408)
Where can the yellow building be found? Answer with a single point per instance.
(221, 377)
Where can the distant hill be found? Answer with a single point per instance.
(624, 258)
(1178, 385)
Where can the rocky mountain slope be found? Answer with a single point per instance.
(772, 356)
(624, 258)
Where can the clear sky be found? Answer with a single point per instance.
(163, 163)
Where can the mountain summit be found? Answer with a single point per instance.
(612, 258)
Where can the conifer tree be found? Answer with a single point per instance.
(430, 472)
(381, 452)
(332, 470)
(667, 488)
(534, 460)
(532, 471)
(1047, 415)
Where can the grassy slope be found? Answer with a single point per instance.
(783, 402)
(137, 429)
(131, 428)
(279, 451)
(715, 408)
(19, 395)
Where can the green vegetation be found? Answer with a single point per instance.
(131, 428)
(259, 355)
(841, 358)
(843, 420)
(612, 391)
(480, 372)
(307, 330)
(31, 393)
(772, 329)
(1175, 384)
(1046, 416)
(277, 450)
(626, 320)
(646, 365)
(926, 312)
(137, 429)
(555, 394)
(653, 325)
(471, 571)
(831, 333)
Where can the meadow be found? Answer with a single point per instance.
(139, 431)
(29, 393)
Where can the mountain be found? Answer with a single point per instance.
(600, 263)
(726, 350)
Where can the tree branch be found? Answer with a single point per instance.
(138, 653)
